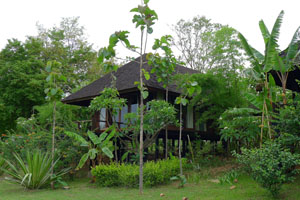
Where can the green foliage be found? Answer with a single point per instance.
(54, 78)
(96, 144)
(240, 124)
(208, 46)
(145, 17)
(21, 80)
(68, 45)
(181, 178)
(3, 165)
(127, 175)
(35, 133)
(34, 172)
(109, 99)
(288, 124)
(271, 166)
(229, 177)
(212, 94)
(158, 115)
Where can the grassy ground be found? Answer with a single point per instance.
(204, 190)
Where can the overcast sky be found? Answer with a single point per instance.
(101, 18)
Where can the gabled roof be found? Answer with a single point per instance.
(125, 78)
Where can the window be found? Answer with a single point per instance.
(102, 122)
(124, 111)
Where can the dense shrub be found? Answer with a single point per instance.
(270, 166)
(127, 175)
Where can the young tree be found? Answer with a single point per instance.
(54, 94)
(144, 19)
(164, 67)
(189, 87)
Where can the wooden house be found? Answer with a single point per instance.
(125, 78)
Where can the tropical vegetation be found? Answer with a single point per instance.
(240, 94)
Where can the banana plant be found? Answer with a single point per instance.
(261, 66)
(97, 145)
(283, 65)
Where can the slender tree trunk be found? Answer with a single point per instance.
(262, 124)
(179, 142)
(166, 130)
(141, 149)
(53, 141)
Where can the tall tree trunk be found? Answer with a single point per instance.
(166, 130)
(53, 141)
(179, 142)
(141, 149)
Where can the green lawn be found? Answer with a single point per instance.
(83, 190)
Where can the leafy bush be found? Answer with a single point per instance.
(34, 172)
(270, 166)
(36, 133)
(155, 173)
(288, 124)
(240, 124)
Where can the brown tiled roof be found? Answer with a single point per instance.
(125, 78)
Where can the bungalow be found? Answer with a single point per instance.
(125, 78)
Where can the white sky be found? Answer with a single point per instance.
(103, 17)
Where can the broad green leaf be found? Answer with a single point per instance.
(93, 137)
(293, 46)
(83, 160)
(264, 31)
(145, 94)
(46, 90)
(53, 91)
(124, 156)
(272, 45)
(102, 136)
(93, 153)
(49, 77)
(107, 152)
(76, 137)
(149, 30)
(252, 98)
(184, 101)
(48, 67)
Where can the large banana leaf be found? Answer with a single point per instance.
(272, 45)
(264, 31)
(293, 46)
(77, 137)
